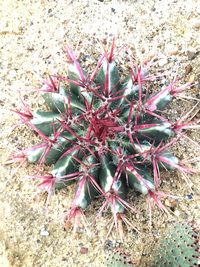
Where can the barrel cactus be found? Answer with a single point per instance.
(105, 133)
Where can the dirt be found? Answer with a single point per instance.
(32, 39)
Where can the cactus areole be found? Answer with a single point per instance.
(106, 134)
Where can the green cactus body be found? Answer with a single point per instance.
(107, 173)
(46, 122)
(131, 91)
(159, 132)
(169, 157)
(108, 71)
(85, 193)
(56, 102)
(139, 186)
(64, 166)
(86, 190)
(34, 154)
(160, 100)
(55, 150)
(119, 189)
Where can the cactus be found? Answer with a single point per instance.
(104, 133)
(178, 247)
(117, 258)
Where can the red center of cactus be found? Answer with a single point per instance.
(102, 126)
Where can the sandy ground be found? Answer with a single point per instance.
(32, 37)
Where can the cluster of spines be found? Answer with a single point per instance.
(108, 135)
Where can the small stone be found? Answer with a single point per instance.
(162, 62)
(192, 78)
(190, 196)
(196, 24)
(177, 213)
(5, 142)
(172, 204)
(167, 203)
(173, 52)
(44, 232)
(137, 216)
(108, 244)
(188, 69)
(191, 54)
(171, 49)
(84, 250)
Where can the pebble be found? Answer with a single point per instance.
(171, 203)
(44, 232)
(84, 250)
(162, 62)
(177, 213)
(196, 24)
(167, 203)
(5, 142)
(173, 52)
(191, 54)
(190, 196)
(188, 69)
(108, 244)
(192, 78)
(171, 49)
